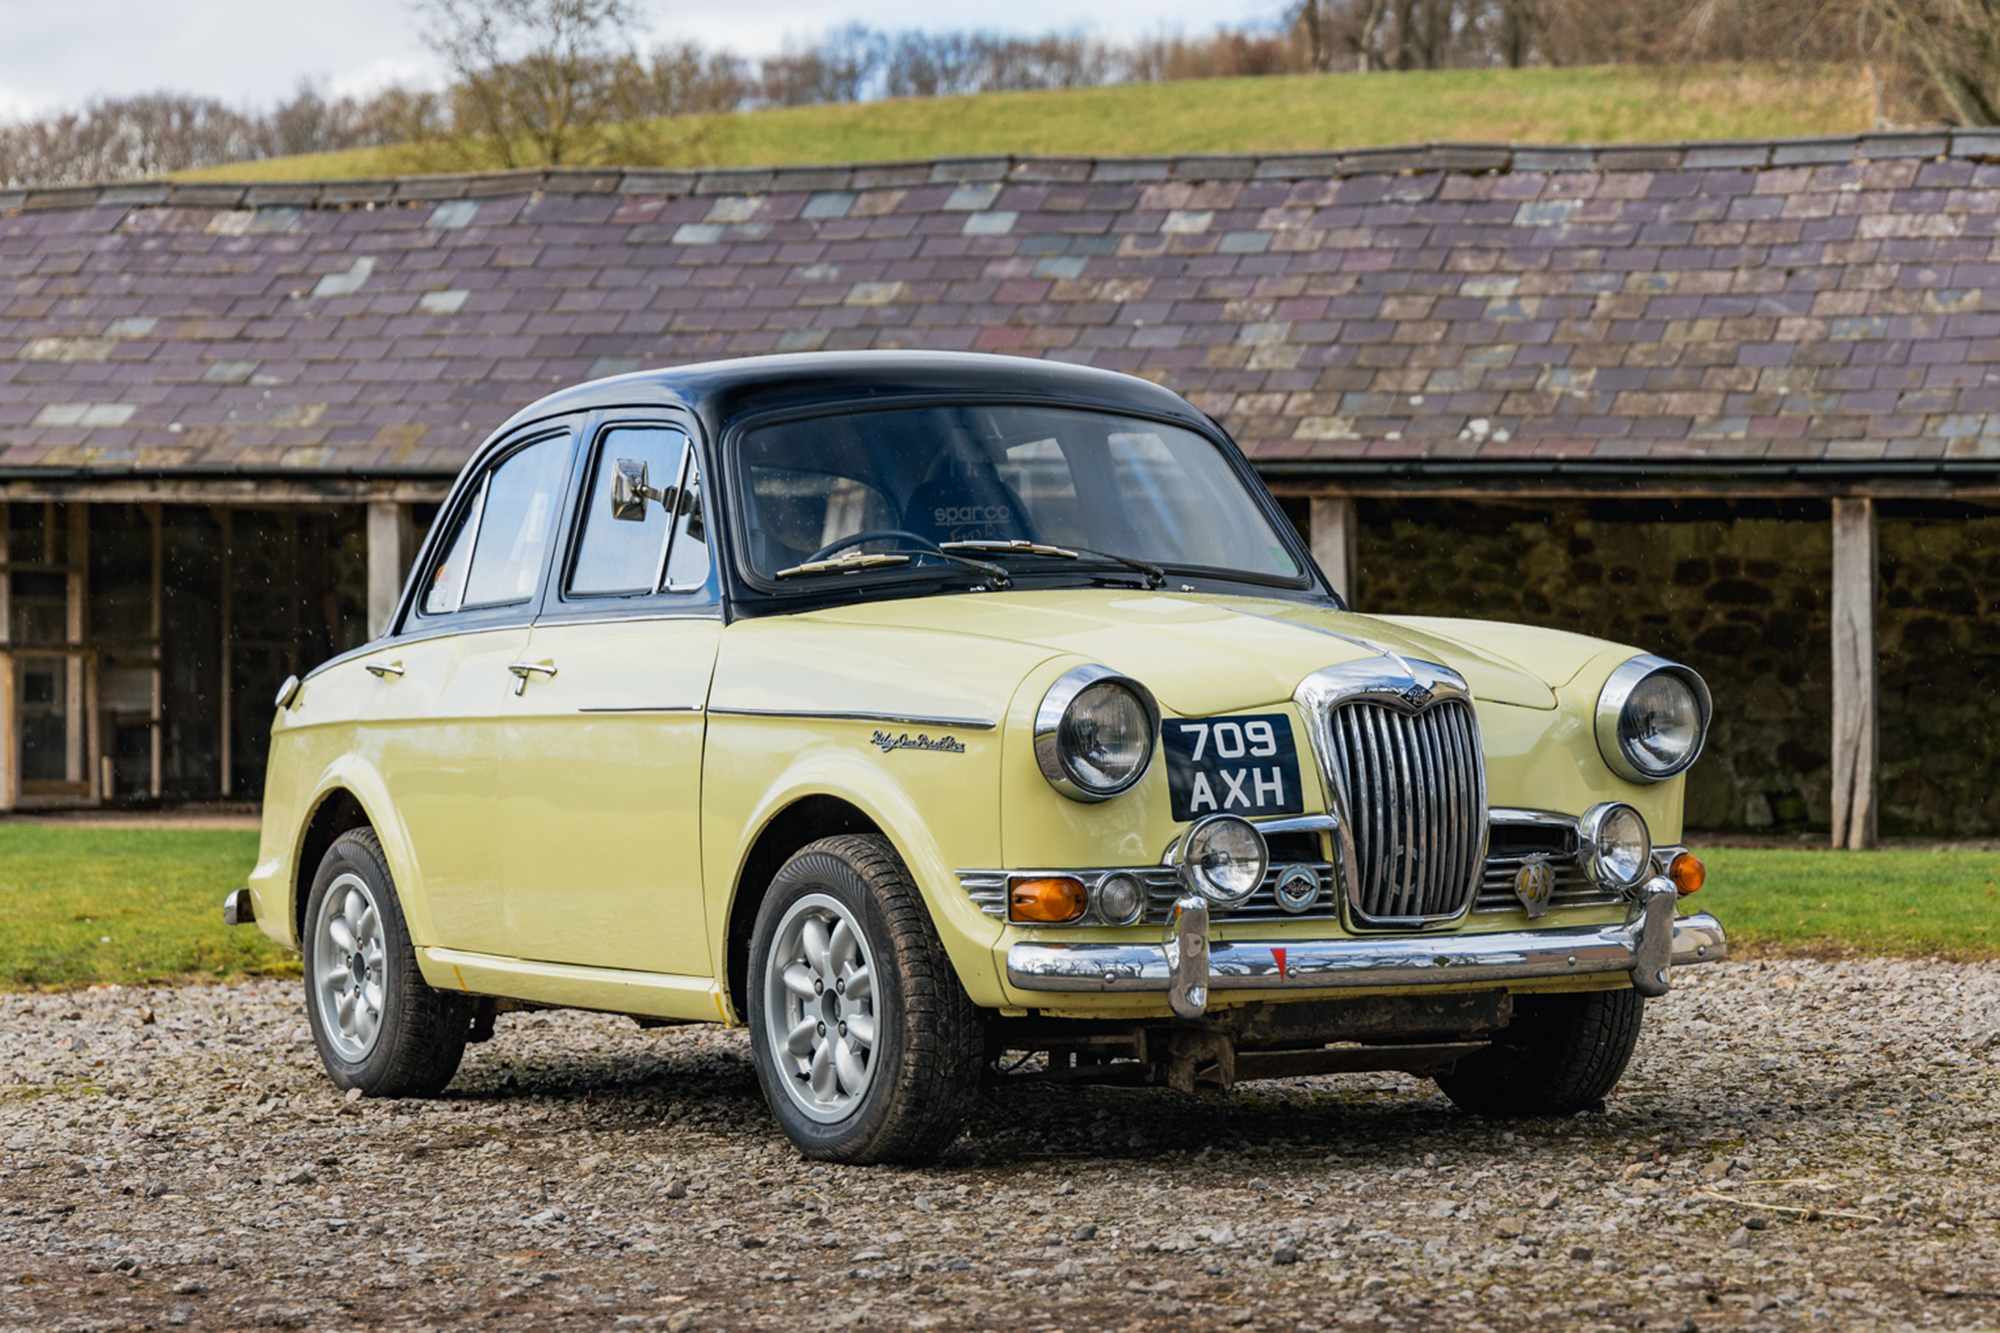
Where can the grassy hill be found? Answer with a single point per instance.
(1601, 104)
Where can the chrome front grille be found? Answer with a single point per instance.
(1512, 845)
(1496, 890)
(1415, 790)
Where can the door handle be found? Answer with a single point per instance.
(385, 670)
(523, 670)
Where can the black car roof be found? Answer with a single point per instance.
(720, 391)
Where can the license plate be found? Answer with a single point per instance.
(1232, 766)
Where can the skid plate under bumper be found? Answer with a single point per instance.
(1188, 964)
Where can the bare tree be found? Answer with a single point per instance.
(838, 68)
(1949, 50)
(531, 78)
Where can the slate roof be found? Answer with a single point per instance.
(1718, 304)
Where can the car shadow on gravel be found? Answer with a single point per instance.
(703, 1077)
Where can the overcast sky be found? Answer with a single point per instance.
(63, 52)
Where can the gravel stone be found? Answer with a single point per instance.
(1798, 1144)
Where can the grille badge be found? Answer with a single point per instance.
(1534, 882)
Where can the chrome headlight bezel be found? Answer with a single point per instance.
(1049, 717)
(1627, 761)
(1592, 856)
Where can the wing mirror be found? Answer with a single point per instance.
(629, 491)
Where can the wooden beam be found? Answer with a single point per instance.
(391, 546)
(1854, 712)
(1333, 536)
(259, 491)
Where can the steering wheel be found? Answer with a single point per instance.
(873, 534)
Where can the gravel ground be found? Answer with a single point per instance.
(1798, 1144)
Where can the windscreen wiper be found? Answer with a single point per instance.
(845, 564)
(1156, 577)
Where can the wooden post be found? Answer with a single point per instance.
(1854, 717)
(156, 718)
(1333, 532)
(80, 760)
(224, 519)
(390, 549)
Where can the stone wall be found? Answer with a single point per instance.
(1939, 635)
(1739, 591)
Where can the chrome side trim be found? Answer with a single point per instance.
(644, 708)
(967, 723)
(1514, 955)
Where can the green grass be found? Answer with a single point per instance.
(1920, 903)
(80, 907)
(1298, 112)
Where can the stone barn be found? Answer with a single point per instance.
(1737, 403)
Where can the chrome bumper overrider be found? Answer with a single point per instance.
(1647, 945)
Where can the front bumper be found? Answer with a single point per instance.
(1187, 965)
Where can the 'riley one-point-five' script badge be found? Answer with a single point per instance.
(1534, 882)
(920, 741)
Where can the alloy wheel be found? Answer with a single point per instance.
(350, 967)
(822, 1011)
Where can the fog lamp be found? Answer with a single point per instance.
(1120, 898)
(1687, 872)
(1614, 848)
(1056, 898)
(1223, 858)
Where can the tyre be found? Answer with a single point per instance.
(868, 1048)
(1560, 1054)
(378, 1027)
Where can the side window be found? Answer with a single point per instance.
(665, 546)
(623, 557)
(495, 554)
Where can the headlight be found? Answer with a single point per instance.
(1094, 733)
(1613, 845)
(1652, 716)
(1223, 858)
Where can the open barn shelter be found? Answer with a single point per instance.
(1736, 403)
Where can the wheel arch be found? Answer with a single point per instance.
(804, 821)
(339, 811)
(349, 795)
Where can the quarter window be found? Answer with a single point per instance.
(496, 553)
(666, 546)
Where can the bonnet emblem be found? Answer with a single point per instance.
(1417, 695)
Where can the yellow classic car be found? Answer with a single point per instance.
(927, 711)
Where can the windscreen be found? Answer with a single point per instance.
(916, 479)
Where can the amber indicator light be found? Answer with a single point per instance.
(1057, 898)
(1687, 872)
